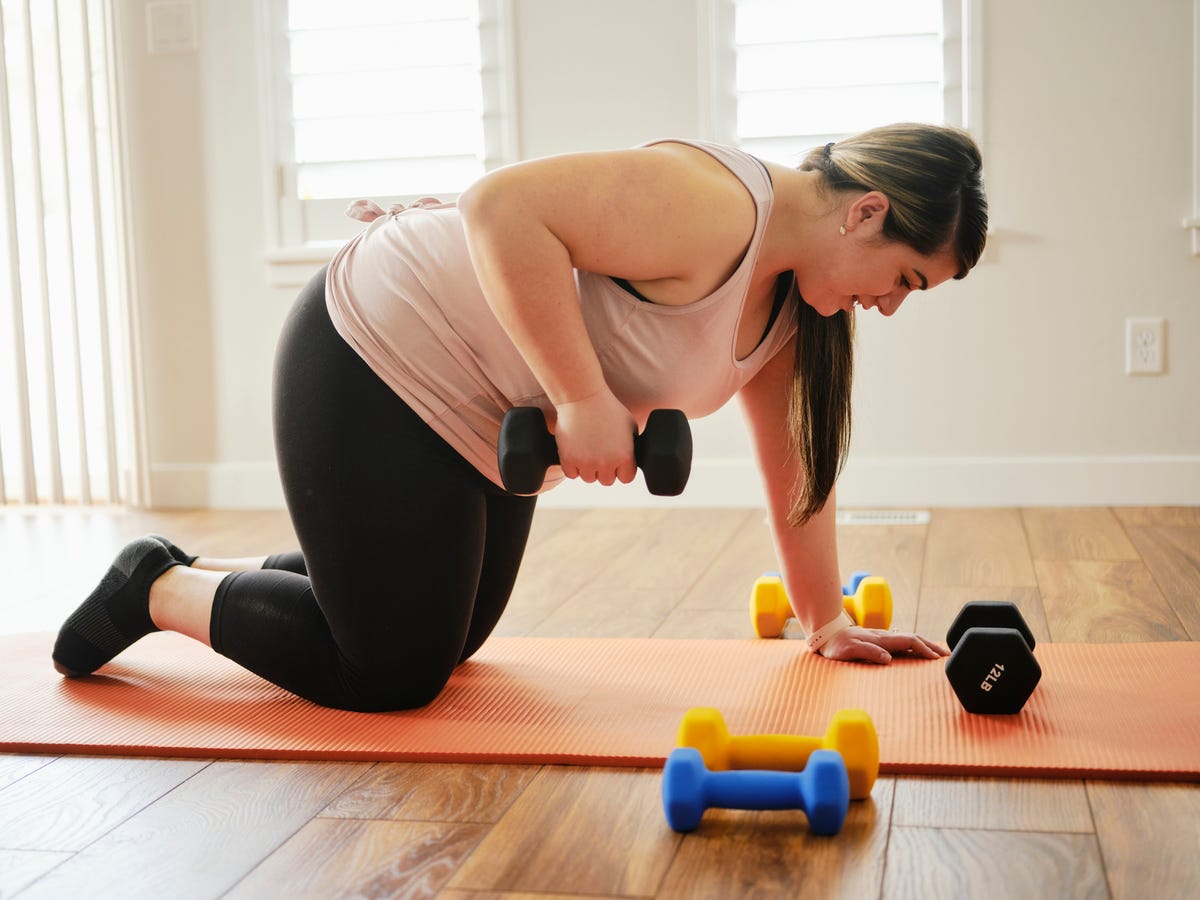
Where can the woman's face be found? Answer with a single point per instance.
(876, 276)
(861, 268)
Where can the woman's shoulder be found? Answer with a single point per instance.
(730, 157)
(746, 166)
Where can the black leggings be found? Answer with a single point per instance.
(411, 554)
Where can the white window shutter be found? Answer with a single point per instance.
(811, 71)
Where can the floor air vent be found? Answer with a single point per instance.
(883, 517)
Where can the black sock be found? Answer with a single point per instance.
(178, 554)
(116, 613)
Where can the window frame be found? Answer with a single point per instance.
(288, 254)
(1192, 222)
(962, 67)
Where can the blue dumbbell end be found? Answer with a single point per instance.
(683, 788)
(849, 590)
(826, 791)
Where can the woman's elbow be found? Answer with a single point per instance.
(479, 201)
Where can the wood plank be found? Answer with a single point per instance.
(894, 552)
(14, 767)
(564, 562)
(577, 830)
(206, 835)
(932, 863)
(726, 583)
(433, 793)
(246, 533)
(1093, 533)
(1172, 554)
(607, 611)
(1172, 516)
(733, 624)
(455, 894)
(1149, 837)
(1105, 603)
(21, 868)
(532, 598)
(940, 605)
(773, 854)
(673, 551)
(997, 804)
(74, 800)
(977, 548)
(355, 858)
(547, 522)
(635, 591)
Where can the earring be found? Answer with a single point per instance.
(842, 230)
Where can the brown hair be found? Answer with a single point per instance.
(933, 177)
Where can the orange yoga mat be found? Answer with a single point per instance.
(1126, 711)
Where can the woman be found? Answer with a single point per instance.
(598, 287)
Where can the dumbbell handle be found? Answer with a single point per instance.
(856, 578)
(780, 752)
(754, 790)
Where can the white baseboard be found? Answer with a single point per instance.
(964, 481)
(1023, 481)
(215, 486)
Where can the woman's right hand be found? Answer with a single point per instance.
(595, 439)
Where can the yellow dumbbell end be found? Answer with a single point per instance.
(871, 604)
(704, 728)
(852, 734)
(769, 606)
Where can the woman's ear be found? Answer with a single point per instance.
(868, 212)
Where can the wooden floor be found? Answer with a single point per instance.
(103, 827)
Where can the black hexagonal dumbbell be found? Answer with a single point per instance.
(991, 668)
(663, 451)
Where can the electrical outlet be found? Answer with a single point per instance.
(1145, 346)
(171, 26)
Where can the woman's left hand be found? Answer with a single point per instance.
(878, 646)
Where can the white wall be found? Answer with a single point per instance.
(1005, 388)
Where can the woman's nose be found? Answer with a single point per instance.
(891, 302)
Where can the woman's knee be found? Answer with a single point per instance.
(393, 689)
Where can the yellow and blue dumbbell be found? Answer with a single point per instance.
(821, 789)
(851, 733)
(867, 599)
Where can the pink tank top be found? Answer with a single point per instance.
(404, 295)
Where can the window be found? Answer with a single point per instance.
(388, 99)
(789, 76)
